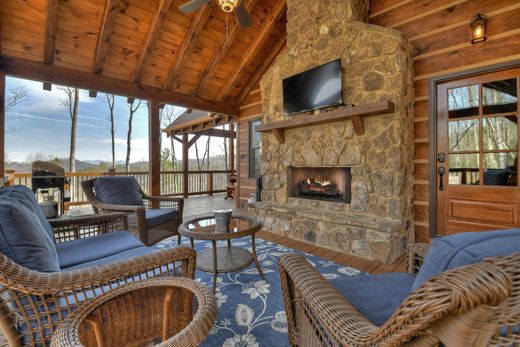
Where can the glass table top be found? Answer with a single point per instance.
(209, 225)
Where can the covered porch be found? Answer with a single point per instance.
(371, 152)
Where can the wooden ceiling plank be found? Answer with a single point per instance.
(39, 71)
(257, 75)
(51, 26)
(112, 8)
(151, 39)
(199, 20)
(254, 48)
(221, 52)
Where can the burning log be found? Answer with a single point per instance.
(313, 186)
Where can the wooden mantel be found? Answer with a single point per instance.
(354, 113)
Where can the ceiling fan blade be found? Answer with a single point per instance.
(192, 5)
(242, 16)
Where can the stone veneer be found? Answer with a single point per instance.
(376, 64)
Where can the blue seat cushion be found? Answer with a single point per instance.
(375, 296)
(466, 248)
(92, 248)
(156, 217)
(118, 191)
(130, 253)
(26, 196)
(23, 238)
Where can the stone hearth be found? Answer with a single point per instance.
(376, 64)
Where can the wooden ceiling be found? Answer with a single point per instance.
(143, 48)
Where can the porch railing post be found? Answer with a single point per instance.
(154, 134)
(185, 165)
(2, 128)
(210, 183)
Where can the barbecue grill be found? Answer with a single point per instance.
(47, 177)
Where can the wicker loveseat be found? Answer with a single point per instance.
(151, 218)
(47, 269)
(464, 291)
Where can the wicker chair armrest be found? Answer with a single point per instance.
(118, 208)
(415, 253)
(165, 201)
(37, 283)
(452, 292)
(67, 229)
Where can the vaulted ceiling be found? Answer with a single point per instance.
(143, 48)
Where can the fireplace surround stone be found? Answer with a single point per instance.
(376, 64)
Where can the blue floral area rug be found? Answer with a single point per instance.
(251, 309)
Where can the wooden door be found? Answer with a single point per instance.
(477, 151)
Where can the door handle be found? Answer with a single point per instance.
(441, 171)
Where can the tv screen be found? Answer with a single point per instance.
(315, 88)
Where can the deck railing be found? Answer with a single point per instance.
(199, 182)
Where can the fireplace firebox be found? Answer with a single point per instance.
(321, 183)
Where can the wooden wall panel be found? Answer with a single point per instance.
(251, 109)
(440, 32)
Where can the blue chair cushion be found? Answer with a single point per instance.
(92, 248)
(130, 253)
(23, 238)
(118, 191)
(375, 296)
(157, 216)
(466, 248)
(26, 196)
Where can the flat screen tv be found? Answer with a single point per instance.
(312, 89)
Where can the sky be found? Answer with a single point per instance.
(43, 126)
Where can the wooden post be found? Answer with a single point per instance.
(2, 128)
(154, 144)
(185, 164)
(232, 146)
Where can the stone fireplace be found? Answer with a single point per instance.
(321, 183)
(374, 219)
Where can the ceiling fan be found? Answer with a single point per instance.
(227, 6)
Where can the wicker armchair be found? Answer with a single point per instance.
(33, 304)
(474, 305)
(138, 216)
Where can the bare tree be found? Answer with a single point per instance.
(15, 97)
(132, 109)
(168, 115)
(111, 104)
(72, 103)
(205, 156)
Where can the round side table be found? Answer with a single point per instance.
(224, 258)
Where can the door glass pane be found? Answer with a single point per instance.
(464, 135)
(500, 96)
(463, 101)
(500, 169)
(500, 132)
(463, 169)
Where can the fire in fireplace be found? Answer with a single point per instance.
(321, 183)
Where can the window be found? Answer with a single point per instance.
(255, 149)
(483, 133)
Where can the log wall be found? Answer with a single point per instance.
(440, 31)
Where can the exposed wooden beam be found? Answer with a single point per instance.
(112, 8)
(60, 75)
(151, 39)
(221, 52)
(47, 86)
(215, 132)
(92, 93)
(177, 138)
(257, 75)
(51, 26)
(193, 140)
(254, 48)
(130, 100)
(199, 20)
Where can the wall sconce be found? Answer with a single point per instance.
(478, 28)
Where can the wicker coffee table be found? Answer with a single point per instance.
(226, 258)
(165, 311)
